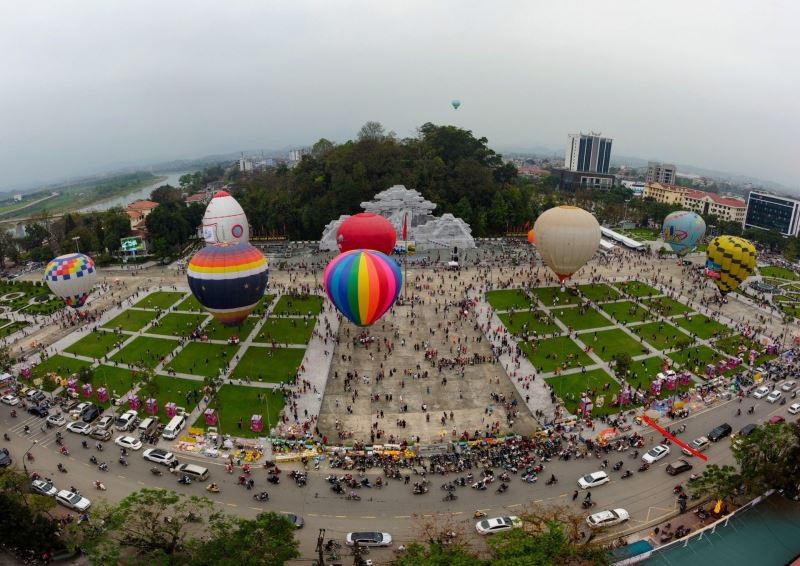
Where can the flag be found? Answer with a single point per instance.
(527, 224)
(405, 226)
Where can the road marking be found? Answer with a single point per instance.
(231, 504)
(402, 516)
(255, 508)
(367, 516)
(515, 505)
(141, 482)
(538, 500)
(312, 514)
(341, 516)
(456, 513)
(122, 477)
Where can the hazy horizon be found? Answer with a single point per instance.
(90, 84)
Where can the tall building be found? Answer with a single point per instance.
(772, 212)
(660, 172)
(588, 153)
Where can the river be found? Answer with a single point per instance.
(143, 193)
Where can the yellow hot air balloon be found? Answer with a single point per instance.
(566, 237)
(729, 261)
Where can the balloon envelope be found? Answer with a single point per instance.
(363, 284)
(456, 104)
(566, 237)
(224, 220)
(682, 230)
(366, 231)
(71, 277)
(729, 261)
(531, 237)
(228, 280)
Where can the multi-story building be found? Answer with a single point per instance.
(661, 192)
(588, 153)
(725, 208)
(771, 212)
(661, 172)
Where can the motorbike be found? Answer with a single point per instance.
(479, 514)
(626, 474)
(123, 461)
(551, 481)
(6, 437)
(353, 496)
(274, 480)
(751, 410)
(530, 478)
(93, 460)
(61, 468)
(644, 467)
(14, 414)
(450, 496)
(103, 467)
(156, 471)
(59, 441)
(64, 451)
(677, 489)
(502, 489)
(31, 458)
(213, 488)
(263, 496)
(588, 503)
(99, 485)
(337, 488)
(85, 444)
(185, 480)
(783, 400)
(99, 447)
(618, 466)
(694, 477)
(420, 490)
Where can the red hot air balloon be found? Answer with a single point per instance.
(366, 231)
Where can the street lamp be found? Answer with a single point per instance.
(25, 457)
(75, 239)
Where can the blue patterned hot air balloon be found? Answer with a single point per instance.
(683, 230)
(71, 277)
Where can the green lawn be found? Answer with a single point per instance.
(174, 390)
(131, 320)
(97, 344)
(61, 365)
(696, 358)
(298, 305)
(145, 351)
(286, 330)
(524, 322)
(577, 320)
(779, 272)
(547, 295)
(268, 364)
(216, 331)
(642, 234)
(611, 342)
(701, 325)
(118, 381)
(177, 324)
(665, 306)
(239, 402)
(202, 358)
(160, 299)
(625, 311)
(643, 371)
(570, 387)
(10, 329)
(731, 344)
(190, 303)
(547, 355)
(637, 289)
(263, 304)
(507, 299)
(662, 335)
(599, 292)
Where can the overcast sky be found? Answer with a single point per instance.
(88, 84)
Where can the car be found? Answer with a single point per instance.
(794, 408)
(774, 397)
(762, 391)
(497, 524)
(776, 419)
(788, 385)
(91, 413)
(296, 520)
(594, 479)
(36, 396)
(719, 432)
(79, 427)
(159, 456)
(5, 458)
(678, 466)
(128, 442)
(73, 501)
(38, 410)
(607, 518)
(656, 453)
(57, 420)
(698, 445)
(9, 399)
(44, 487)
(101, 434)
(105, 422)
(127, 420)
(368, 538)
(76, 412)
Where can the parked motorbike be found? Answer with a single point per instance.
(185, 480)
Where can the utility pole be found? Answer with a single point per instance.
(320, 541)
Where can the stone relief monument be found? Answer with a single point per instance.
(424, 229)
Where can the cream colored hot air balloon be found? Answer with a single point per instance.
(566, 238)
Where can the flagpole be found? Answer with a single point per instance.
(405, 259)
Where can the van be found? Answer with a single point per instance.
(174, 427)
(197, 473)
(719, 432)
(148, 426)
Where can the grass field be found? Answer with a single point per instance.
(96, 344)
(145, 351)
(779, 272)
(662, 336)
(701, 325)
(625, 311)
(174, 390)
(696, 358)
(665, 306)
(643, 371)
(286, 331)
(159, 300)
(131, 320)
(730, 345)
(118, 381)
(577, 320)
(570, 387)
(642, 234)
(202, 358)
(507, 299)
(611, 342)
(190, 303)
(61, 365)
(177, 324)
(548, 296)
(239, 402)
(263, 304)
(270, 365)
(216, 331)
(637, 289)
(298, 306)
(524, 322)
(10, 329)
(547, 355)
(599, 292)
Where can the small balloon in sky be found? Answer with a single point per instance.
(456, 103)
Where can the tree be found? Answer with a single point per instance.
(442, 542)
(718, 482)
(165, 193)
(622, 363)
(770, 457)
(322, 148)
(6, 358)
(7, 247)
(546, 546)
(24, 523)
(116, 225)
(792, 249)
(371, 131)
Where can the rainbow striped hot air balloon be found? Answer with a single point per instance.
(228, 279)
(71, 278)
(363, 284)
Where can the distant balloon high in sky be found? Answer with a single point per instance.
(71, 277)
(366, 231)
(363, 284)
(456, 103)
(224, 220)
(682, 230)
(729, 261)
(566, 238)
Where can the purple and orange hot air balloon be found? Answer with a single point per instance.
(363, 284)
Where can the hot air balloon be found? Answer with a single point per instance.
(682, 230)
(531, 237)
(366, 231)
(729, 261)
(228, 280)
(363, 284)
(566, 238)
(71, 278)
(224, 220)
(456, 103)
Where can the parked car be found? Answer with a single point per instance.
(698, 444)
(127, 420)
(57, 420)
(656, 453)
(678, 466)
(794, 408)
(788, 385)
(128, 442)
(38, 410)
(776, 419)
(44, 487)
(719, 432)
(497, 524)
(101, 434)
(159, 456)
(105, 422)
(369, 538)
(5, 458)
(80, 427)
(774, 397)
(761, 392)
(607, 518)
(73, 500)
(11, 400)
(296, 520)
(594, 479)
(91, 413)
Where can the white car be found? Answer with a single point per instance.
(788, 385)
(774, 397)
(368, 538)
(128, 442)
(607, 518)
(698, 444)
(80, 427)
(9, 399)
(762, 391)
(76, 413)
(73, 500)
(57, 420)
(44, 487)
(126, 420)
(794, 408)
(656, 453)
(159, 456)
(594, 479)
(497, 524)
(105, 422)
